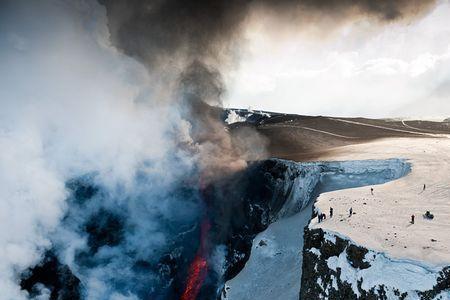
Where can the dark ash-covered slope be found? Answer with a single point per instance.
(301, 138)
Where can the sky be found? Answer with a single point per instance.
(395, 70)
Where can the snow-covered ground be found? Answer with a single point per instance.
(381, 221)
(401, 275)
(403, 256)
(233, 117)
(274, 269)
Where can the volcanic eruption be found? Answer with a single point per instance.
(199, 267)
(187, 46)
(156, 234)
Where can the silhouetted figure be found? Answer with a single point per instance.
(331, 212)
(319, 217)
(424, 187)
(324, 216)
(350, 212)
(371, 191)
(412, 219)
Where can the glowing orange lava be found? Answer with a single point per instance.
(198, 268)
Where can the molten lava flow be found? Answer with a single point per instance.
(197, 273)
(199, 266)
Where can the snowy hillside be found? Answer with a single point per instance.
(275, 264)
(336, 268)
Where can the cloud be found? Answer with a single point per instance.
(361, 70)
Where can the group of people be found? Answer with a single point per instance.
(322, 216)
(427, 213)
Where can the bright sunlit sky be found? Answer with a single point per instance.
(397, 70)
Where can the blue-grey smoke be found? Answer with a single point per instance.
(96, 165)
(129, 243)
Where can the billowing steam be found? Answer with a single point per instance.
(110, 133)
(90, 167)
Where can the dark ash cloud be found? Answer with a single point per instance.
(189, 45)
(169, 32)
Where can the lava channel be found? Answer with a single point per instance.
(199, 266)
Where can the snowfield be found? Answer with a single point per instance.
(274, 269)
(403, 256)
(233, 117)
(381, 221)
(403, 275)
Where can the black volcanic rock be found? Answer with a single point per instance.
(104, 228)
(253, 200)
(355, 256)
(56, 277)
(442, 285)
(321, 282)
(237, 208)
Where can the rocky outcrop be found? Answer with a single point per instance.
(336, 268)
(270, 190)
(442, 286)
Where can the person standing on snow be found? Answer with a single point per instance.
(412, 219)
(331, 212)
(350, 212)
(371, 191)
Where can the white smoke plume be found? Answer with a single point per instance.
(71, 105)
